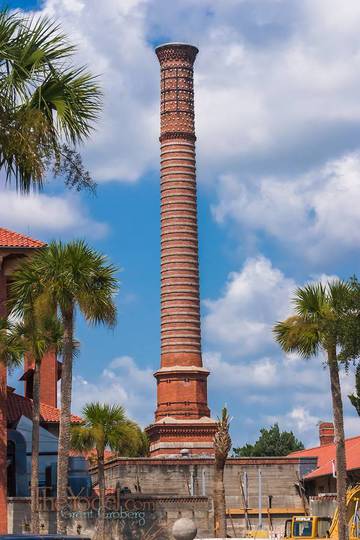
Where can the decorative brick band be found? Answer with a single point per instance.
(170, 135)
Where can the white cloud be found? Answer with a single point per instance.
(276, 95)
(270, 79)
(122, 382)
(270, 84)
(48, 213)
(258, 374)
(258, 380)
(312, 213)
(352, 426)
(298, 419)
(270, 374)
(111, 38)
(304, 422)
(253, 300)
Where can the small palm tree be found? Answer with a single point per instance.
(105, 426)
(321, 314)
(69, 278)
(222, 446)
(34, 337)
(46, 104)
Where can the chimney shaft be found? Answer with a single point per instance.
(326, 433)
(180, 298)
(182, 417)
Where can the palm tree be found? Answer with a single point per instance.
(69, 278)
(34, 337)
(105, 426)
(222, 446)
(46, 105)
(321, 314)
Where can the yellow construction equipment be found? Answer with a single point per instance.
(308, 527)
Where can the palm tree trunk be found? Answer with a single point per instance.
(35, 519)
(341, 474)
(219, 500)
(101, 480)
(65, 419)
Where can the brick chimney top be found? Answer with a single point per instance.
(176, 54)
(176, 44)
(326, 433)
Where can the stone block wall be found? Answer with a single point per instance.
(139, 518)
(166, 489)
(194, 477)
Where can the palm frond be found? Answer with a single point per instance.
(310, 301)
(82, 439)
(222, 439)
(297, 334)
(29, 46)
(341, 295)
(43, 98)
(107, 426)
(12, 350)
(71, 101)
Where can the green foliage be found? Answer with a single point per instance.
(355, 397)
(107, 426)
(70, 167)
(272, 442)
(222, 439)
(11, 351)
(326, 316)
(28, 336)
(66, 276)
(44, 103)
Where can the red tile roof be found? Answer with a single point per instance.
(326, 457)
(13, 239)
(18, 406)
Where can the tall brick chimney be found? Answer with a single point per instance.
(326, 433)
(50, 373)
(182, 418)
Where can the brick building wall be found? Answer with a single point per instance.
(49, 376)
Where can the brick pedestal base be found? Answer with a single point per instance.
(172, 438)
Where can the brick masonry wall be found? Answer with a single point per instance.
(185, 477)
(48, 378)
(183, 488)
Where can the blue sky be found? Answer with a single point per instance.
(278, 124)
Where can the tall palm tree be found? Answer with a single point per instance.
(105, 426)
(321, 313)
(46, 104)
(222, 446)
(70, 278)
(35, 337)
